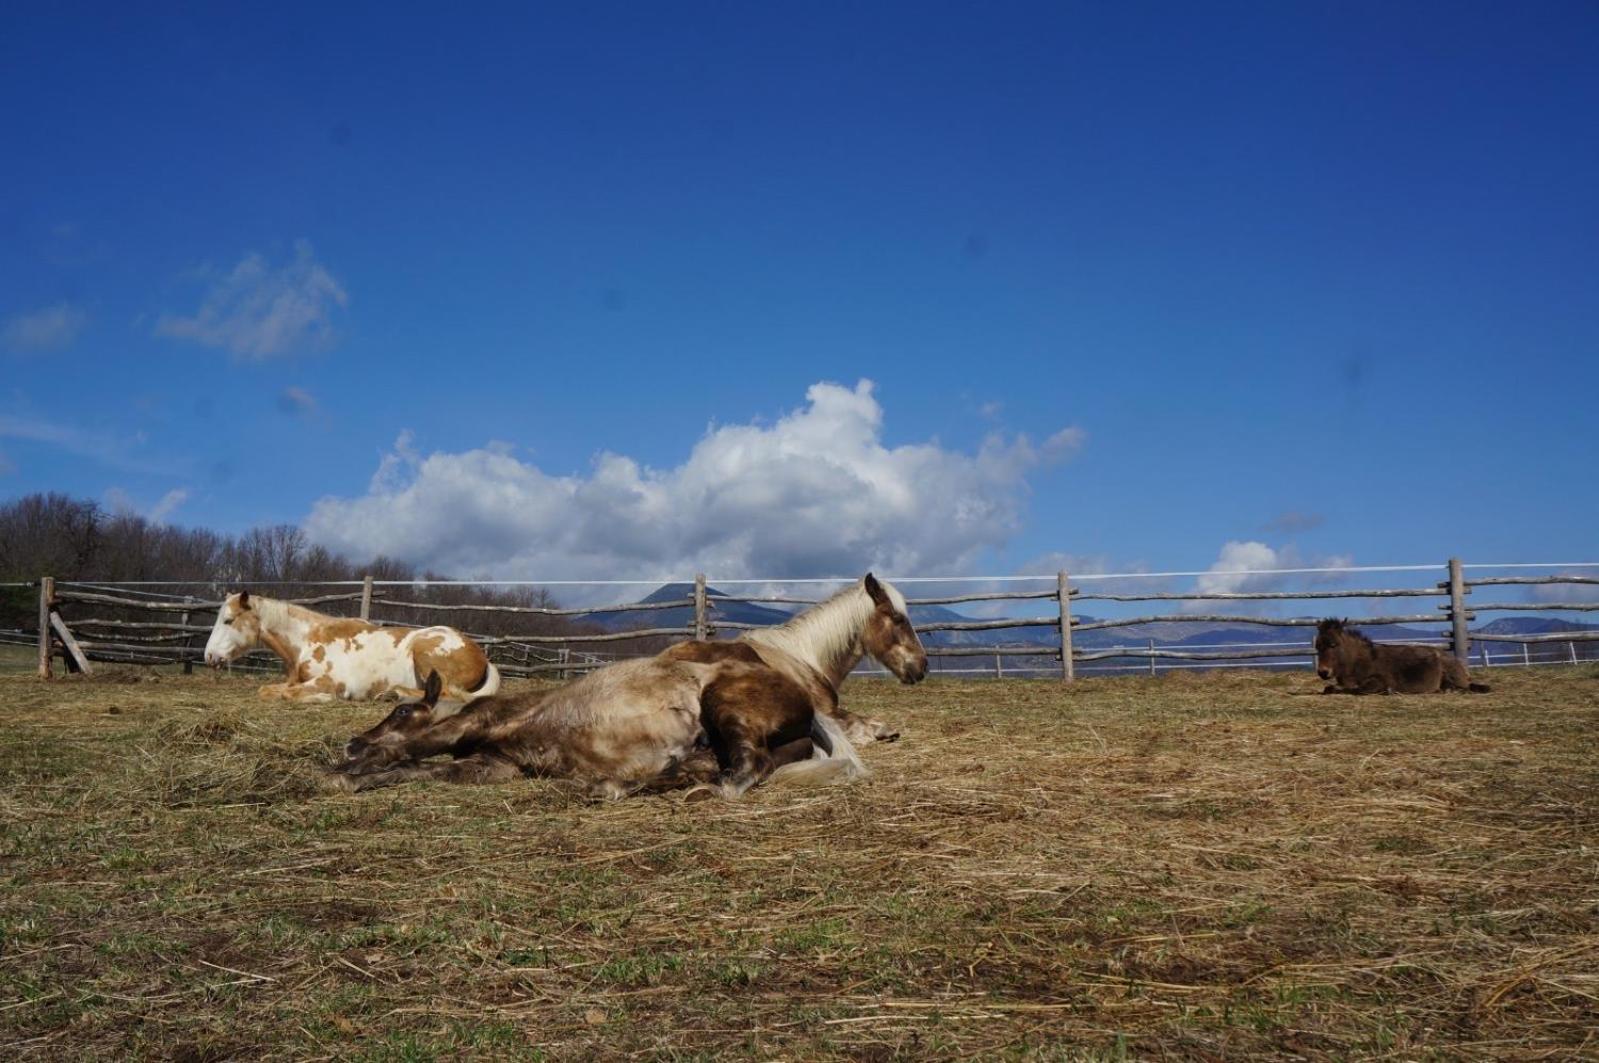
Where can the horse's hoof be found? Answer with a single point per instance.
(891, 736)
(702, 792)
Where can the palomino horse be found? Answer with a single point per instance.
(731, 714)
(1357, 665)
(328, 657)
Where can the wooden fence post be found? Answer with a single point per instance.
(699, 607)
(366, 597)
(1461, 637)
(188, 640)
(47, 594)
(1151, 656)
(1063, 591)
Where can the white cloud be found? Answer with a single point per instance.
(122, 504)
(297, 402)
(816, 493)
(258, 311)
(168, 503)
(111, 451)
(1250, 566)
(50, 328)
(1564, 593)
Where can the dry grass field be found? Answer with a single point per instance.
(1207, 867)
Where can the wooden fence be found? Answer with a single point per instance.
(124, 623)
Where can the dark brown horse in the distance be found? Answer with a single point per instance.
(1357, 665)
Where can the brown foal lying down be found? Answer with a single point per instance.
(728, 714)
(1356, 665)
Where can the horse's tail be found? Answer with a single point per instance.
(1478, 688)
(833, 760)
(490, 685)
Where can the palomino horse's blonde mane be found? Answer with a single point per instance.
(827, 636)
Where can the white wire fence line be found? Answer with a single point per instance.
(134, 617)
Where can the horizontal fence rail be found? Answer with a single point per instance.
(151, 622)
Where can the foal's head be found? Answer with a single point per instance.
(1333, 641)
(889, 637)
(408, 718)
(237, 630)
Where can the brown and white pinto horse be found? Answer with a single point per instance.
(330, 657)
(721, 715)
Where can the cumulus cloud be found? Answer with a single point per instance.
(816, 493)
(51, 328)
(1249, 566)
(1565, 593)
(259, 311)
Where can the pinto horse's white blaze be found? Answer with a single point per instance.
(328, 657)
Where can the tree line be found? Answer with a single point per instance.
(73, 539)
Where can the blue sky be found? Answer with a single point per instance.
(1323, 277)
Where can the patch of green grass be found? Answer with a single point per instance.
(646, 968)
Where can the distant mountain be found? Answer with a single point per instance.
(1167, 634)
(1533, 625)
(683, 615)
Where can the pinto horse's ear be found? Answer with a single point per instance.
(875, 589)
(244, 599)
(432, 689)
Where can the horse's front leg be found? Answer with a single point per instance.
(318, 691)
(862, 730)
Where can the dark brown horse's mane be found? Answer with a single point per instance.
(1332, 624)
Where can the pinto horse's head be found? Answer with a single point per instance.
(889, 637)
(408, 718)
(237, 630)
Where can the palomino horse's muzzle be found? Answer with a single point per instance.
(914, 672)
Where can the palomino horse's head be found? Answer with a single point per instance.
(237, 630)
(889, 637)
(407, 719)
(1331, 638)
